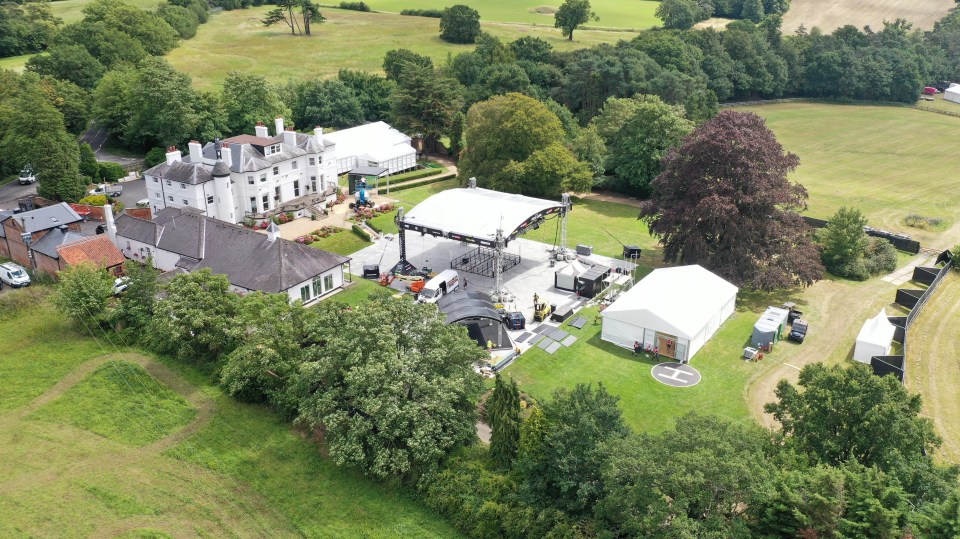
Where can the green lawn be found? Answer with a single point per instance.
(344, 243)
(613, 13)
(408, 198)
(235, 471)
(39, 348)
(358, 292)
(384, 223)
(72, 10)
(237, 40)
(104, 403)
(15, 63)
(889, 161)
(604, 225)
(648, 405)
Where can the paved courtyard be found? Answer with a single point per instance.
(533, 275)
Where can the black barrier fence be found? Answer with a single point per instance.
(913, 300)
(900, 241)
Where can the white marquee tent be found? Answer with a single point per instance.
(875, 338)
(675, 310)
(952, 93)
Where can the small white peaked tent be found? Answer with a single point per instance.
(675, 310)
(875, 338)
(952, 94)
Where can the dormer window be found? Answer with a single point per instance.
(272, 149)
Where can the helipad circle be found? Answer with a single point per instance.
(676, 374)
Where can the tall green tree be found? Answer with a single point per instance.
(563, 468)
(838, 414)
(83, 292)
(109, 45)
(275, 335)
(162, 106)
(571, 15)
(723, 200)
(679, 14)
(638, 132)
(392, 401)
(88, 166)
(138, 301)
(71, 100)
(547, 172)
(328, 103)
(505, 129)
(699, 480)
(40, 138)
(396, 61)
(460, 24)
(156, 36)
(68, 62)
(426, 102)
(843, 240)
(195, 321)
(503, 413)
(248, 99)
(372, 91)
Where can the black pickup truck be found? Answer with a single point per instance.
(798, 332)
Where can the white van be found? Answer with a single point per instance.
(445, 282)
(14, 275)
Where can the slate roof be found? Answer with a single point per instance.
(47, 218)
(3, 217)
(98, 250)
(248, 258)
(181, 171)
(220, 169)
(50, 241)
(245, 157)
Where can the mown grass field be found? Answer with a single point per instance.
(104, 403)
(889, 161)
(69, 468)
(613, 13)
(72, 10)
(15, 63)
(237, 40)
(828, 14)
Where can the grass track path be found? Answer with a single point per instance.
(115, 459)
(933, 364)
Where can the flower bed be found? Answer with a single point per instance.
(365, 214)
(316, 235)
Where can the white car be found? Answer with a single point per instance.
(112, 190)
(120, 284)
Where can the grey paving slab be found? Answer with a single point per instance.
(552, 348)
(545, 343)
(578, 322)
(524, 336)
(569, 340)
(544, 327)
(558, 335)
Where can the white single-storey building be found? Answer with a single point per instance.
(182, 239)
(675, 310)
(875, 338)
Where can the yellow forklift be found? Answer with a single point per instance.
(541, 311)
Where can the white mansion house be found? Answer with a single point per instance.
(255, 174)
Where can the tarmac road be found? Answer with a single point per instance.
(12, 191)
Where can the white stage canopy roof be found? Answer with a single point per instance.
(474, 215)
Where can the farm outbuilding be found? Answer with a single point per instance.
(875, 338)
(675, 310)
(770, 327)
(952, 94)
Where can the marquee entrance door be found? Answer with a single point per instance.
(667, 345)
